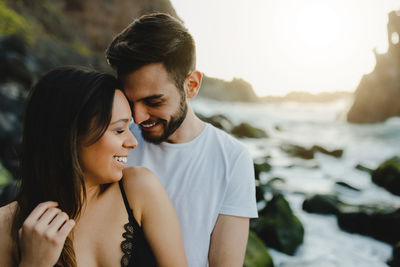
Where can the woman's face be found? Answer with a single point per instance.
(103, 161)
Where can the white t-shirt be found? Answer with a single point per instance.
(209, 175)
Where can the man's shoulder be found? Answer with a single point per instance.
(226, 141)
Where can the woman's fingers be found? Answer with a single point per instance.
(66, 229)
(58, 222)
(43, 234)
(38, 211)
(48, 216)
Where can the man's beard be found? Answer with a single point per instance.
(169, 127)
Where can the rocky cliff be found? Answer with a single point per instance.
(378, 94)
(91, 22)
(40, 35)
(234, 90)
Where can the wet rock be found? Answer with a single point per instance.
(298, 151)
(363, 168)
(343, 184)
(219, 121)
(394, 261)
(380, 223)
(337, 153)
(15, 80)
(308, 153)
(12, 61)
(246, 130)
(321, 204)
(275, 180)
(274, 185)
(257, 254)
(261, 167)
(260, 192)
(83, 21)
(278, 227)
(8, 193)
(387, 175)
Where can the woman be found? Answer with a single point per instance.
(73, 208)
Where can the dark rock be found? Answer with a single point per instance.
(387, 175)
(12, 61)
(379, 223)
(343, 184)
(298, 151)
(363, 168)
(394, 261)
(11, 109)
(246, 130)
(260, 192)
(219, 121)
(8, 193)
(274, 180)
(276, 185)
(321, 204)
(83, 22)
(270, 186)
(9, 155)
(257, 254)
(335, 153)
(261, 167)
(377, 96)
(308, 153)
(278, 227)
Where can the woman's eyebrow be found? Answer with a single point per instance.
(123, 120)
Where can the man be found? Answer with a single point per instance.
(207, 173)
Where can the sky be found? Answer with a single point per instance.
(288, 45)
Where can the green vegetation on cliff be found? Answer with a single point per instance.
(13, 23)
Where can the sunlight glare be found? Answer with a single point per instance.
(317, 24)
(395, 38)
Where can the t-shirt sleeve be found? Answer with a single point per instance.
(240, 196)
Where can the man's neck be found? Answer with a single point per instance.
(190, 128)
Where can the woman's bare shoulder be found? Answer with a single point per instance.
(140, 178)
(6, 216)
(142, 188)
(6, 241)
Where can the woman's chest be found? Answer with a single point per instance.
(98, 238)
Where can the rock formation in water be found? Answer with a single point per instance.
(235, 90)
(378, 94)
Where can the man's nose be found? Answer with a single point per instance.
(140, 113)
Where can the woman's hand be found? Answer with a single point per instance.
(43, 234)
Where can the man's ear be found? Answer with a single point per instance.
(192, 83)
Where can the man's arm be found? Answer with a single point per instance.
(228, 241)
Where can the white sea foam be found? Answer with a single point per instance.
(320, 124)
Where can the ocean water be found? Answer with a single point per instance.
(323, 124)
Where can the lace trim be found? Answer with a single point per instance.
(127, 245)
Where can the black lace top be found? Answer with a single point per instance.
(135, 247)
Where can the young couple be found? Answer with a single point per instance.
(80, 205)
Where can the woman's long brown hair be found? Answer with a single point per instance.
(67, 108)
